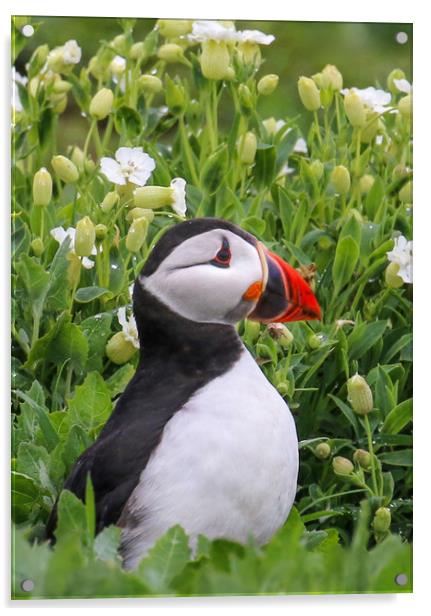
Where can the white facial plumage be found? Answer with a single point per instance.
(196, 289)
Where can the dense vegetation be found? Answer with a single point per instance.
(336, 202)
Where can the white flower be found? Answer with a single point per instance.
(128, 325)
(132, 165)
(255, 36)
(377, 100)
(117, 66)
(179, 195)
(17, 78)
(71, 52)
(205, 30)
(300, 146)
(402, 254)
(403, 85)
(59, 234)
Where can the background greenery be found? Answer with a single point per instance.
(65, 385)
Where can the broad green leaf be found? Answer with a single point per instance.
(127, 122)
(119, 380)
(30, 561)
(91, 404)
(363, 337)
(107, 542)
(374, 198)
(402, 457)
(346, 258)
(25, 494)
(254, 225)
(72, 519)
(50, 435)
(264, 168)
(214, 170)
(36, 281)
(398, 418)
(347, 412)
(84, 295)
(58, 292)
(33, 460)
(96, 330)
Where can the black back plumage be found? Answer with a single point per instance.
(177, 358)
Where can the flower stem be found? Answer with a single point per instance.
(371, 450)
(328, 497)
(188, 152)
(316, 123)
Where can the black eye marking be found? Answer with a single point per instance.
(223, 257)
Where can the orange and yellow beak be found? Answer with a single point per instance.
(283, 294)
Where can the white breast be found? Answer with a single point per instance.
(226, 466)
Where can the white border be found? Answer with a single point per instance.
(312, 10)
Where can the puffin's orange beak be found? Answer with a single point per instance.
(285, 294)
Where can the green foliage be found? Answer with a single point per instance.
(66, 311)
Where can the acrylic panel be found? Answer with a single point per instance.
(212, 307)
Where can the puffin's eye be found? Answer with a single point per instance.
(223, 257)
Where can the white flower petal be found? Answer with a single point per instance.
(126, 155)
(300, 146)
(255, 36)
(87, 263)
(71, 52)
(112, 170)
(59, 234)
(205, 30)
(179, 187)
(122, 319)
(402, 254)
(403, 85)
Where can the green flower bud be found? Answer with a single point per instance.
(137, 234)
(245, 97)
(85, 237)
(247, 146)
(73, 270)
(101, 232)
(282, 388)
(40, 55)
(342, 466)
(316, 169)
(37, 246)
(174, 28)
(42, 187)
(101, 104)
(322, 451)
(138, 212)
(172, 53)
(332, 78)
(267, 84)
(309, 93)
(98, 68)
(315, 341)
(77, 157)
(150, 84)
(340, 179)
(366, 183)
(230, 74)
(61, 87)
(137, 50)
(279, 332)
(65, 169)
(119, 43)
(214, 59)
(363, 458)
(175, 96)
(152, 197)
(119, 350)
(382, 520)
(405, 106)
(396, 73)
(406, 193)
(355, 109)
(318, 80)
(359, 395)
(110, 200)
(392, 279)
(252, 331)
(59, 103)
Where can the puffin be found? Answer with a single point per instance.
(199, 437)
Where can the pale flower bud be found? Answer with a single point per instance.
(61, 87)
(279, 332)
(245, 98)
(137, 234)
(171, 53)
(316, 169)
(214, 59)
(101, 232)
(309, 93)
(359, 395)
(267, 84)
(119, 43)
(77, 157)
(392, 279)
(85, 237)
(322, 451)
(37, 246)
(366, 183)
(342, 466)
(382, 520)
(119, 350)
(110, 200)
(406, 193)
(137, 50)
(152, 197)
(247, 146)
(340, 179)
(65, 169)
(363, 458)
(355, 109)
(101, 104)
(174, 28)
(138, 212)
(150, 83)
(396, 73)
(270, 125)
(405, 106)
(42, 187)
(332, 77)
(59, 102)
(250, 53)
(372, 126)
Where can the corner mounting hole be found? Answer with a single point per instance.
(27, 585)
(401, 579)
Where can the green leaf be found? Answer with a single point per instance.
(118, 381)
(214, 170)
(363, 337)
(30, 562)
(402, 457)
(33, 460)
(96, 330)
(25, 494)
(58, 292)
(165, 560)
(346, 258)
(84, 295)
(254, 225)
(264, 168)
(91, 405)
(398, 418)
(41, 412)
(72, 518)
(348, 413)
(107, 542)
(128, 122)
(374, 198)
(36, 281)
